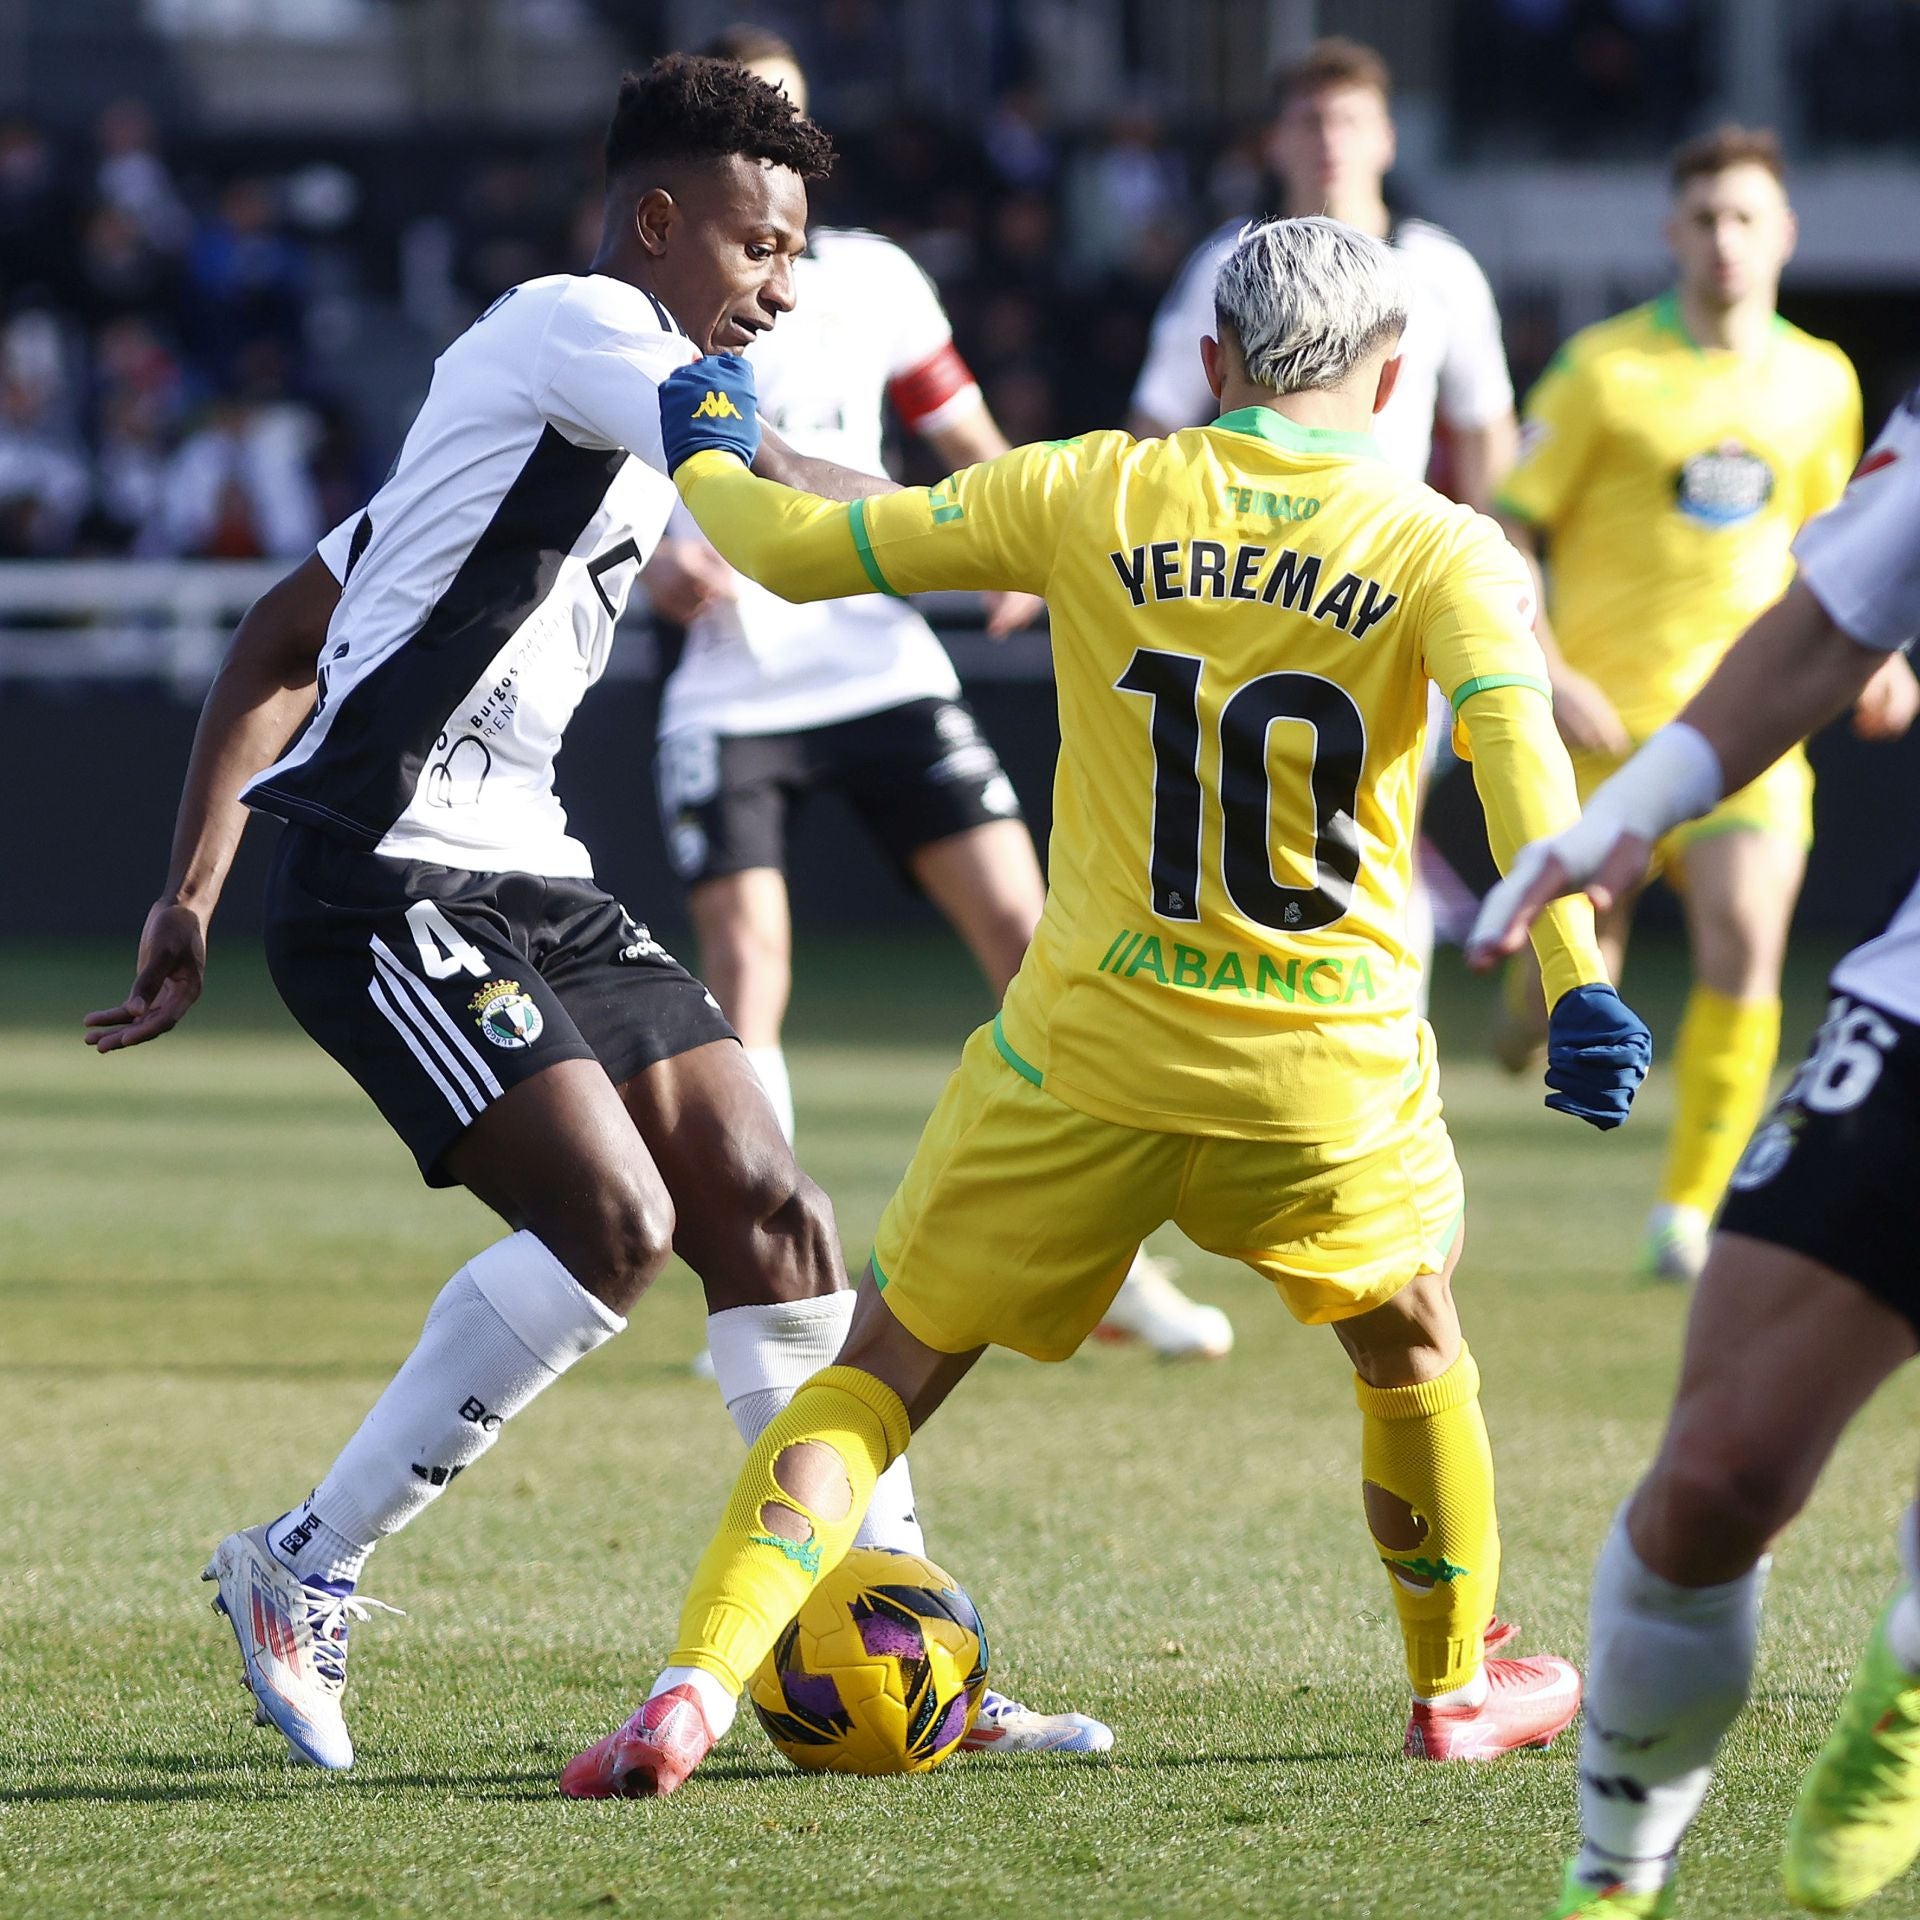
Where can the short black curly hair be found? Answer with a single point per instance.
(687, 107)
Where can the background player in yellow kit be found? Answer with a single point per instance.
(1669, 457)
(1216, 1023)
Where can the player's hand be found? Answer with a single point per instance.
(171, 970)
(1607, 863)
(1889, 701)
(1598, 1052)
(1585, 717)
(709, 405)
(686, 577)
(1009, 612)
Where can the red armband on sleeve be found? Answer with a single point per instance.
(922, 392)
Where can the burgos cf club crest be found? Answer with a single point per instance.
(507, 1017)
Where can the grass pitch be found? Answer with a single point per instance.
(212, 1255)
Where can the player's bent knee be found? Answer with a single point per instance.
(1725, 1501)
(614, 1238)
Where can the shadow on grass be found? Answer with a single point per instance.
(206, 1781)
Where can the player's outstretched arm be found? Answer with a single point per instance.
(1598, 1048)
(993, 526)
(1790, 673)
(264, 689)
(964, 442)
(778, 462)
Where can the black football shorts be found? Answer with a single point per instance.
(914, 774)
(1833, 1171)
(438, 989)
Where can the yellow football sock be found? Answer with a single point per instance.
(1721, 1064)
(753, 1577)
(1429, 1499)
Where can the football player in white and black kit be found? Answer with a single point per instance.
(772, 702)
(1811, 1293)
(430, 920)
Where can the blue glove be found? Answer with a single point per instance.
(709, 403)
(1598, 1052)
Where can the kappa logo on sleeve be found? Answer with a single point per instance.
(716, 406)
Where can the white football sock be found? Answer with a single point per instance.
(1903, 1617)
(505, 1327)
(762, 1356)
(770, 1063)
(715, 1701)
(1668, 1670)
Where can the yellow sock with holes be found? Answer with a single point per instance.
(1429, 1496)
(751, 1580)
(1721, 1065)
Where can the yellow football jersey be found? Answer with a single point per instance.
(1245, 617)
(1670, 481)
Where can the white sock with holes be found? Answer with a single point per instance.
(1668, 1670)
(770, 1063)
(505, 1327)
(762, 1356)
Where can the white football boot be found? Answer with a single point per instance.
(293, 1645)
(1151, 1308)
(1005, 1726)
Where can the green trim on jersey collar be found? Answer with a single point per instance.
(1664, 312)
(1264, 424)
(863, 546)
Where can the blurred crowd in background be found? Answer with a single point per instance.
(210, 347)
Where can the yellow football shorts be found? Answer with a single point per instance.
(1779, 802)
(1019, 1216)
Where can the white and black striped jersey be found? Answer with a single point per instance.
(483, 583)
(1861, 558)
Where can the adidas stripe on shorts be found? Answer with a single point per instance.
(438, 990)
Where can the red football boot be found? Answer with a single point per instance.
(648, 1757)
(1527, 1703)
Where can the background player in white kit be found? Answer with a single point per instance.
(1329, 145)
(1811, 1293)
(435, 927)
(771, 701)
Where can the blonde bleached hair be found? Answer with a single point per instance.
(1308, 300)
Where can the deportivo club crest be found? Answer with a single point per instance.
(507, 1017)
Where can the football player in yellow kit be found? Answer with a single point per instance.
(1216, 1023)
(1669, 457)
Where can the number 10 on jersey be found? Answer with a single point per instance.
(1171, 681)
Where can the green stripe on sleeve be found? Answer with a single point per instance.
(882, 1283)
(863, 546)
(1024, 1068)
(1488, 681)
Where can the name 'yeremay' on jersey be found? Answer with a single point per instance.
(1245, 617)
(483, 583)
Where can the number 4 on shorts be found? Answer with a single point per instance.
(444, 950)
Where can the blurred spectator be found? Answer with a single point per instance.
(134, 181)
(246, 279)
(1127, 196)
(36, 216)
(1863, 74)
(137, 408)
(43, 473)
(1585, 78)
